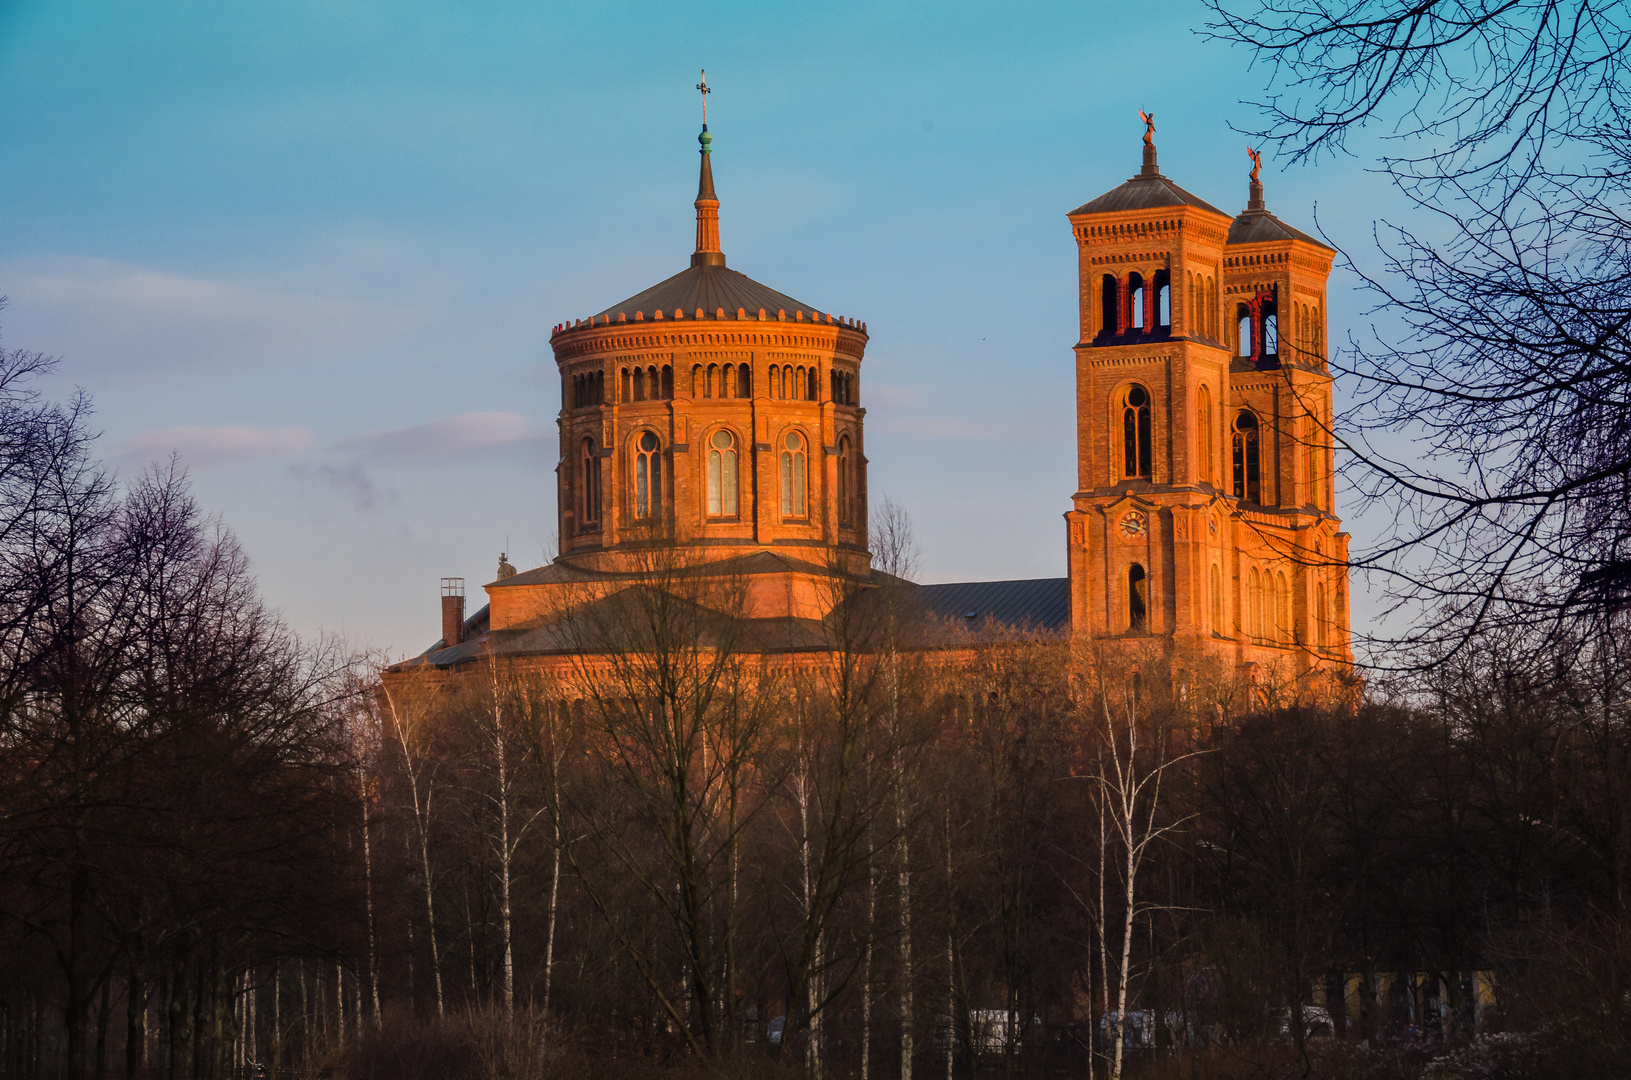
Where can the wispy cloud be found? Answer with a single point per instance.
(351, 482)
(452, 438)
(210, 447)
(102, 315)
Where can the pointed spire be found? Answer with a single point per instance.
(707, 204)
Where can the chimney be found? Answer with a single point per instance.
(452, 611)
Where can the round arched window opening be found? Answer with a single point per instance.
(795, 468)
(648, 477)
(1137, 441)
(722, 475)
(1248, 458)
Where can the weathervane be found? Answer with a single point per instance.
(703, 86)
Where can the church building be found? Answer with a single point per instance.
(715, 416)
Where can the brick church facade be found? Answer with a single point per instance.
(714, 416)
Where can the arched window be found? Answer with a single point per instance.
(795, 462)
(1217, 598)
(846, 483)
(639, 384)
(744, 381)
(787, 385)
(1282, 610)
(668, 382)
(1135, 422)
(713, 377)
(1248, 460)
(1163, 300)
(727, 380)
(1254, 605)
(589, 485)
(722, 485)
(600, 387)
(648, 477)
(1243, 330)
(812, 385)
(1135, 300)
(1318, 620)
(1212, 309)
(1208, 436)
(1271, 331)
(698, 381)
(1137, 599)
(1109, 316)
(628, 394)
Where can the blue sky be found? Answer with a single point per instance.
(317, 248)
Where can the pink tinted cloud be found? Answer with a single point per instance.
(208, 447)
(451, 437)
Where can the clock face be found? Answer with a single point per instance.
(1135, 525)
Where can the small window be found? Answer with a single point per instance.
(1135, 422)
(1137, 599)
(648, 477)
(722, 481)
(795, 464)
(1248, 458)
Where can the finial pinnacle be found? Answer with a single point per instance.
(706, 90)
(1149, 144)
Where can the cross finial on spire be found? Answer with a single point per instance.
(706, 90)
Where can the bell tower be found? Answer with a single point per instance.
(1203, 510)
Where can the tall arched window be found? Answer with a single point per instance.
(1135, 301)
(744, 381)
(812, 385)
(1109, 316)
(1135, 423)
(1212, 309)
(648, 477)
(1271, 331)
(1248, 458)
(722, 485)
(727, 380)
(795, 463)
(1216, 599)
(713, 378)
(1316, 625)
(697, 381)
(1243, 330)
(1137, 599)
(627, 394)
(1282, 610)
(846, 483)
(787, 387)
(589, 485)
(1254, 605)
(1163, 300)
(1208, 436)
(639, 384)
(668, 382)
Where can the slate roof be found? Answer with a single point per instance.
(1037, 603)
(1144, 193)
(1257, 226)
(709, 288)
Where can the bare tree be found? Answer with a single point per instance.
(1502, 341)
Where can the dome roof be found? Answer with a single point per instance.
(709, 288)
(1145, 192)
(1258, 226)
